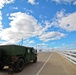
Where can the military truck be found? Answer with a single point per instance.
(16, 56)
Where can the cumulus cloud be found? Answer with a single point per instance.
(1, 20)
(60, 14)
(65, 1)
(74, 3)
(25, 26)
(2, 2)
(27, 42)
(6, 43)
(31, 42)
(69, 22)
(65, 21)
(52, 36)
(33, 2)
(22, 25)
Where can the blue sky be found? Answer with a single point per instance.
(42, 23)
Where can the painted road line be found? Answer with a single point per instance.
(44, 65)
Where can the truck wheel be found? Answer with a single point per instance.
(35, 60)
(20, 65)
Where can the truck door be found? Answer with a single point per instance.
(32, 54)
(28, 55)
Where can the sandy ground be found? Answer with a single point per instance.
(48, 64)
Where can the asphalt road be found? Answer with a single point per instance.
(48, 64)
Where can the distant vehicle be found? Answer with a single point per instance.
(16, 56)
(40, 50)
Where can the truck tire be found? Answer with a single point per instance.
(19, 66)
(35, 60)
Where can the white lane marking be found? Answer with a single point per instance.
(43, 65)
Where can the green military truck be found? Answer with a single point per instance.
(16, 56)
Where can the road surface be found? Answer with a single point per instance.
(49, 63)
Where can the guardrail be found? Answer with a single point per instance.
(70, 55)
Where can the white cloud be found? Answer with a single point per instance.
(74, 3)
(2, 2)
(7, 14)
(1, 20)
(6, 43)
(52, 36)
(65, 21)
(15, 8)
(69, 22)
(65, 1)
(47, 25)
(31, 42)
(25, 26)
(22, 25)
(33, 2)
(73, 44)
(53, 43)
(28, 11)
(60, 14)
(27, 42)
(58, 1)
